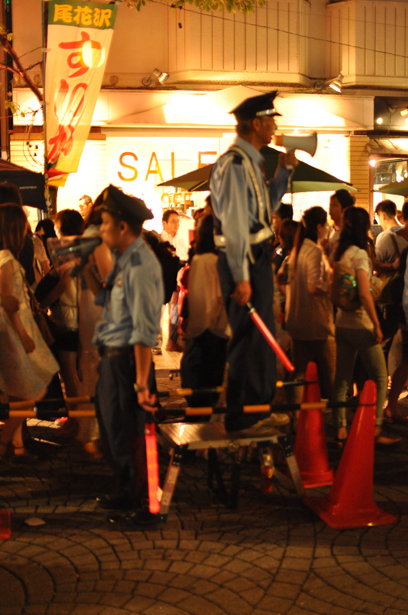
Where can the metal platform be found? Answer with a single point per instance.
(177, 438)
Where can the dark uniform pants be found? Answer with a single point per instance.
(122, 423)
(202, 366)
(252, 362)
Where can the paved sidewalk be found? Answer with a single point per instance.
(270, 556)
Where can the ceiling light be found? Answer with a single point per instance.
(379, 120)
(161, 77)
(404, 112)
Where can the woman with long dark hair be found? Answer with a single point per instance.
(26, 363)
(359, 332)
(309, 312)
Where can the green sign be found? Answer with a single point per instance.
(82, 14)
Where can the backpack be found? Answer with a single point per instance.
(387, 279)
(344, 291)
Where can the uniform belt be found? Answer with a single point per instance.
(254, 238)
(114, 351)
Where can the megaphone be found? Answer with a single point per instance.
(306, 144)
(71, 248)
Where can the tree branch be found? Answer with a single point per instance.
(21, 71)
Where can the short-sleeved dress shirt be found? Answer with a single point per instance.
(132, 299)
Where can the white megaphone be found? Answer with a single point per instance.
(306, 144)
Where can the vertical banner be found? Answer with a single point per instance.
(79, 37)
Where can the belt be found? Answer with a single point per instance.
(114, 351)
(254, 238)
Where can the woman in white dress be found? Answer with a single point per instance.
(26, 363)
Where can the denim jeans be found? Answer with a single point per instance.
(323, 353)
(350, 343)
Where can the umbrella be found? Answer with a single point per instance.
(305, 178)
(400, 188)
(31, 184)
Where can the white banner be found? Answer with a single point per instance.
(79, 37)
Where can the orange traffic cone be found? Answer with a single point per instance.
(350, 501)
(310, 447)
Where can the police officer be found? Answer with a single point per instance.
(243, 203)
(131, 298)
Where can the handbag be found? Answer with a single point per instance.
(46, 285)
(344, 291)
(40, 317)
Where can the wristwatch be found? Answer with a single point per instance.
(139, 389)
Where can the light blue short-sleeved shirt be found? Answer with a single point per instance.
(132, 299)
(235, 204)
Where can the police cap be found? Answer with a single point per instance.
(128, 208)
(256, 106)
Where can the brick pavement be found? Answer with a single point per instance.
(270, 556)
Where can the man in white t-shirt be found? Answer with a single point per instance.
(170, 233)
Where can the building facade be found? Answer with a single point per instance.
(144, 134)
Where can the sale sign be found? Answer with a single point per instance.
(79, 37)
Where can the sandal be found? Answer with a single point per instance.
(25, 457)
(341, 443)
(382, 439)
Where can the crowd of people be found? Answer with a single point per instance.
(96, 333)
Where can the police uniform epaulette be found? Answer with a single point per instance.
(237, 159)
(135, 259)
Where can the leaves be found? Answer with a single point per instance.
(12, 106)
(232, 6)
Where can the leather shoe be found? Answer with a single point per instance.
(139, 519)
(119, 501)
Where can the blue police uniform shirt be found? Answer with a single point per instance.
(234, 203)
(132, 307)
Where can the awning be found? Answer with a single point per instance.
(305, 177)
(398, 188)
(31, 185)
(181, 109)
(388, 147)
(300, 112)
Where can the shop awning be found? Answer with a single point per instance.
(388, 147)
(180, 109)
(304, 112)
(305, 177)
(31, 184)
(398, 188)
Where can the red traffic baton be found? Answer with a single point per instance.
(269, 338)
(152, 467)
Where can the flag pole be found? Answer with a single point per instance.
(44, 106)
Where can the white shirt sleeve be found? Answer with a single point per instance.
(316, 271)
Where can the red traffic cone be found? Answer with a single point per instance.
(350, 501)
(310, 448)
